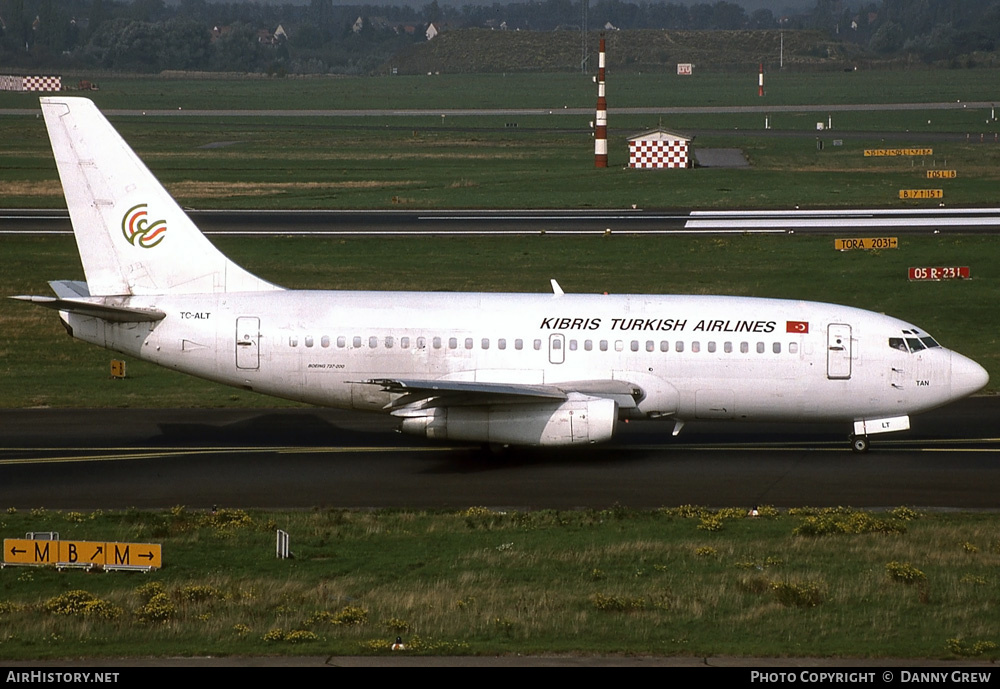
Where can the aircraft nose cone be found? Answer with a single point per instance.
(967, 376)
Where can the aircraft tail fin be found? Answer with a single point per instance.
(133, 237)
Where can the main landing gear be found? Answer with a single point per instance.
(860, 444)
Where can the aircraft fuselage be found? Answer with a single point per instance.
(695, 357)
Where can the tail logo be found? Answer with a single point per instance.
(138, 230)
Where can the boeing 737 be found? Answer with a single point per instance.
(499, 369)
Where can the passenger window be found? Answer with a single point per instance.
(728, 348)
(711, 347)
(619, 345)
(341, 341)
(760, 347)
(679, 347)
(588, 345)
(293, 341)
(604, 345)
(537, 344)
(650, 346)
(468, 343)
(373, 342)
(519, 344)
(501, 343)
(357, 342)
(776, 348)
(744, 347)
(664, 346)
(389, 342)
(452, 343)
(325, 341)
(572, 345)
(485, 343)
(635, 345)
(696, 346)
(793, 347)
(404, 342)
(309, 341)
(556, 343)
(421, 342)
(437, 342)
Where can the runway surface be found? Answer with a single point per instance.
(557, 111)
(311, 457)
(353, 223)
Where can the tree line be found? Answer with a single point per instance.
(150, 36)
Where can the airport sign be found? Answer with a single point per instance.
(942, 174)
(940, 273)
(921, 193)
(26, 551)
(892, 152)
(868, 243)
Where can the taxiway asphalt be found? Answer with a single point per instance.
(312, 457)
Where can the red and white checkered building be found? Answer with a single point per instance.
(40, 83)
(658, 149)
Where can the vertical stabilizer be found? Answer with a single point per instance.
(132, 236)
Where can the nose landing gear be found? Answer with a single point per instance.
(860, 444)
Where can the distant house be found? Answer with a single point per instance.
(431, 31)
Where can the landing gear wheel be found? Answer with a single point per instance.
(860, 443)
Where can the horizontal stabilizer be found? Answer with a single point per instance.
(96, 307)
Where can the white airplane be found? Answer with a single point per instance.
(500, 369)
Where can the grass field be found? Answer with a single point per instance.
(681, 581)
(41, 366)
(312, 163)
(550, 91)
(545, 161)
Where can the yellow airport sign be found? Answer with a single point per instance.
(891, 152)
(921, 193)
(942, 174)
(133, 555)
(24, 551)
(866, 243)
(79, 553)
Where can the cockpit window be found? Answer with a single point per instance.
(912, 344)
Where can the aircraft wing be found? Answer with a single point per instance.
(418, 394)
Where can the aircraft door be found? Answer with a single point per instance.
(838, 351)
(247, 339)
(557, 348)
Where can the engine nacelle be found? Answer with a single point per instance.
(580, 419)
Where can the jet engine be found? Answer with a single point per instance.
(580, 419)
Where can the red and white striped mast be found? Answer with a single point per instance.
(760, 81)
(601, 121)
